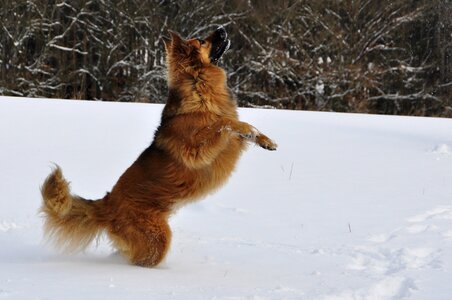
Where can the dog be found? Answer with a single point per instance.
(194, 151)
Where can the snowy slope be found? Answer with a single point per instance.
(349, 207)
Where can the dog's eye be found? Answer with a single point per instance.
(202, 42)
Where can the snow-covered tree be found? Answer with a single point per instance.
(390, 56)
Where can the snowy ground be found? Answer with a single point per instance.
(349, 207)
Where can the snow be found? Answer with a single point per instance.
(349, 207)
(320, 88)
(442, 149)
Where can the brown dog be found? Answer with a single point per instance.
(194, 151)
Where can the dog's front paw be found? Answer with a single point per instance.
(248, 132)
(249, 135)
(265, 142)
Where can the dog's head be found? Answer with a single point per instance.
(195, 53)
(195, 81)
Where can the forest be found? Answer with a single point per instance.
(366, 56)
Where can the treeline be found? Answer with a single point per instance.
(390, 56)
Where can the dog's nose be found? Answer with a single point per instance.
(222, 32)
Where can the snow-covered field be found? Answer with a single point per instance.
(349, 207)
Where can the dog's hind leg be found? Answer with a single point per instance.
(144, 242)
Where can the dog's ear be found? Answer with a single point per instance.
(175, 37)
(167, 42)
(177, 44)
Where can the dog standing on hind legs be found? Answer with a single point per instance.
(194, 151)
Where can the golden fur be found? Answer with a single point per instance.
(194, 151)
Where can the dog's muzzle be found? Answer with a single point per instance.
(220, 43)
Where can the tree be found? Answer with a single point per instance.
(390, 56)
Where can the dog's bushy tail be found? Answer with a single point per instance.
(71, 222)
